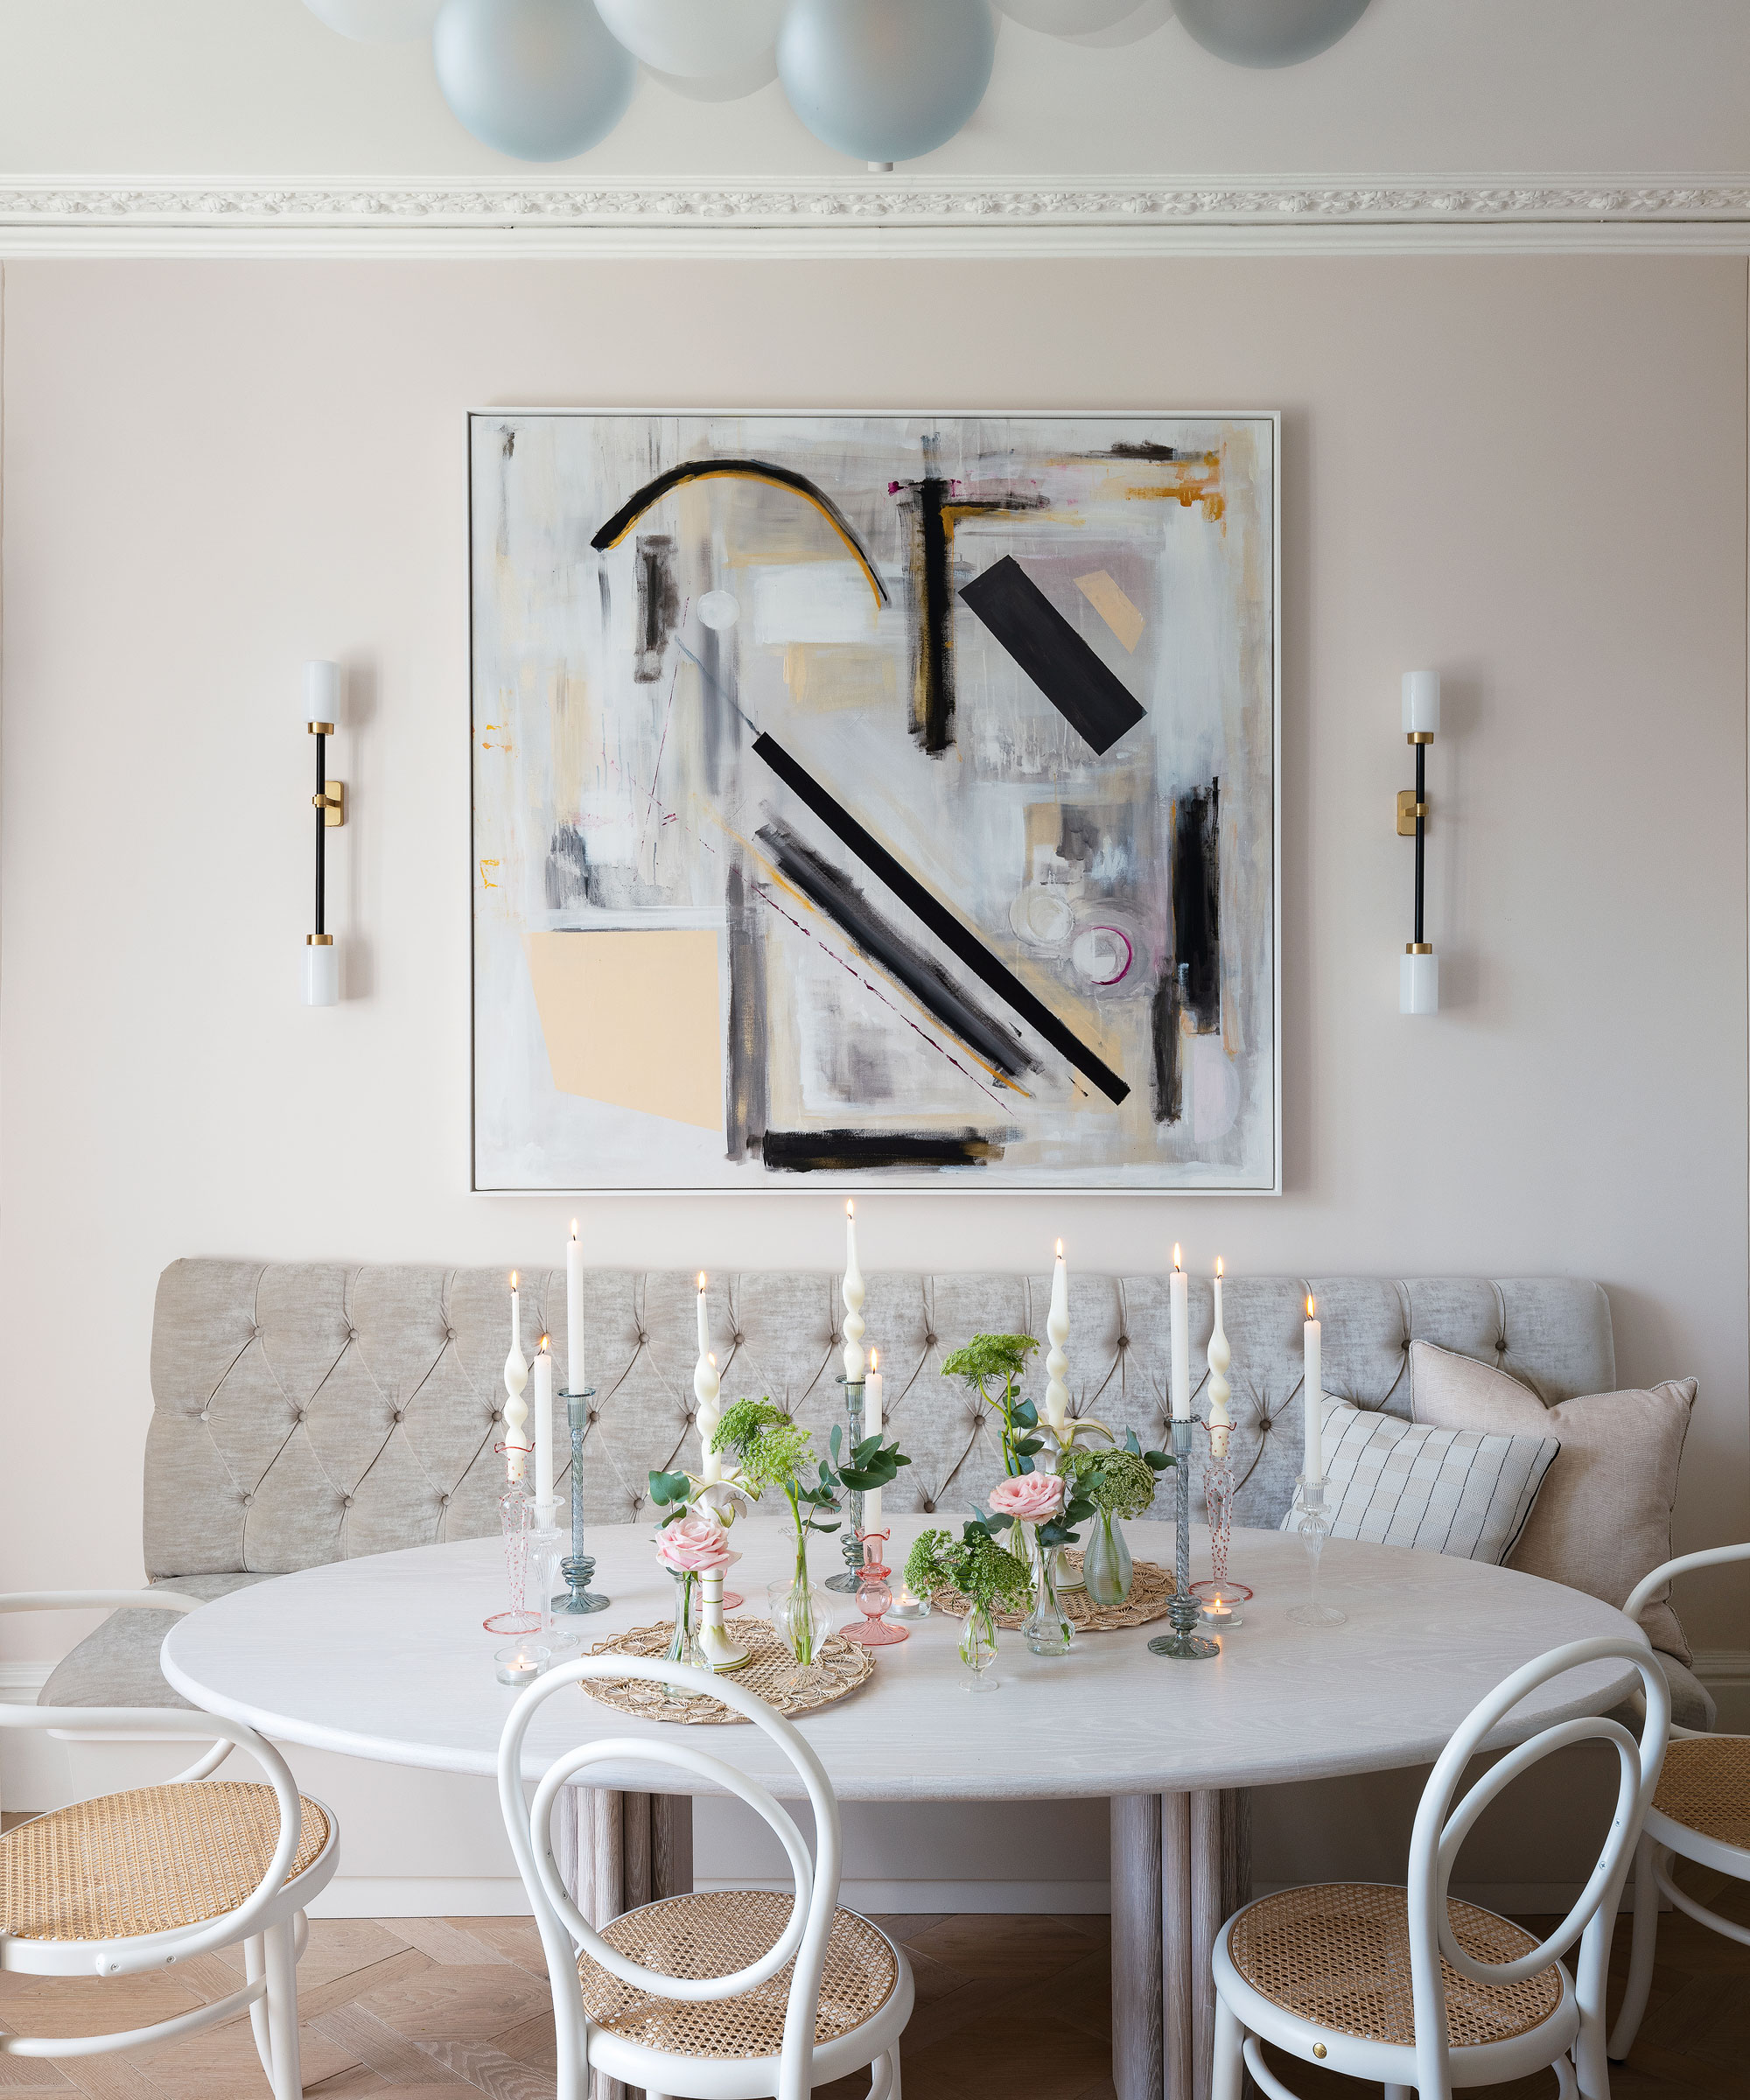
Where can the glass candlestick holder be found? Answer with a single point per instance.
(577, 1569)
(515, 1513)
(1183, 1613)
(1314, 1528)
(874, 1598)
(1220, 1597)
(845, 1585)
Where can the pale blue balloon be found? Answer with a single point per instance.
(1269, 32)
(886, 80)
(539, 79)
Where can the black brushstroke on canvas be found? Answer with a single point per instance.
(1197, 905)
(746, 1104)
(834, 893)
(1094, 700)
(932, 680)
(659, 604)
(941, 921)
(833, 1151)
(1167, 1080)
(567, 871)
(1144, 448)
(754, 470)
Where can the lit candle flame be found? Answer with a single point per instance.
(850, 1209)
(512, 1279)
(1175, 1254)
(1060, 1250)
(542, 1344)
(1309, 1304)
(702, 1280)
(1219, 1270)
(874, 1358)
(574, 1229)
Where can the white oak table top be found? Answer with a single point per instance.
(385, 1658)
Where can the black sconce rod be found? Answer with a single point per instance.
(1421, 813)
(320, 730)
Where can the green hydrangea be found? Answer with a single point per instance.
(1120, 1482)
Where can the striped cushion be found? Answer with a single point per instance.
(1398, 1483)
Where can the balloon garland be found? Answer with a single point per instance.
(882, 80)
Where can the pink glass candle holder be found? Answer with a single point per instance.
(874, 1596)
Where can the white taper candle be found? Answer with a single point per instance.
(1179, 1304)
(574, 1312)
(871, 1427)
(853, 1302)
(543, 1420)
(1312, 1393)
(1221, 1422)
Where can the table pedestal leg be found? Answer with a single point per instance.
(617, 1851)
(1181, 1866)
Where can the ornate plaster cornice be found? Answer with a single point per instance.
(87, 213)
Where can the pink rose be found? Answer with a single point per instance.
(694, 1546)
(1031, 1496)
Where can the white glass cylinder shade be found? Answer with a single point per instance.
(321, 974)
(321, 692)
(1419, 984)
(1421, 702)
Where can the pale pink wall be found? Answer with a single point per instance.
(1529, 473)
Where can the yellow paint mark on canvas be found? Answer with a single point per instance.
(486, 882)
(631, 1018)
(496, 728)
(1110, 602)
(835, 674)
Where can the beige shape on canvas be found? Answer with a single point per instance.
(632, 1018)
(1110, 602)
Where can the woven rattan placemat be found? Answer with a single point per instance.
(1150, 1593)
(839, 1668)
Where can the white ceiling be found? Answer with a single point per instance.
(255, 89)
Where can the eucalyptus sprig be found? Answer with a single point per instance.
(973, 1564)
(992, 1357)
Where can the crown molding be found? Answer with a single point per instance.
(86, 216)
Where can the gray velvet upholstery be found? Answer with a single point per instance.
(306, 1412)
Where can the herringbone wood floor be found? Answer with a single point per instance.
(1009, 2008)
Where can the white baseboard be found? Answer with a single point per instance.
(1725, 1672)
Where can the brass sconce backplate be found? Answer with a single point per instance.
(1408, 811)
(332, 803)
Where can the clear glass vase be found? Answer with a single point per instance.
(1049, 1628)
(1106, 1563)
(802, 1611)
(684, 1642)
(978, 1649)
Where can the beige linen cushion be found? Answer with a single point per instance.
(1604, 1517)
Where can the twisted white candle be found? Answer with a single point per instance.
(706, 1387)
(1057, 1332)
(515, 1377)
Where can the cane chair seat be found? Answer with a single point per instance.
(147, 1860)
(1705, 1786)
(717, 1934)
(1338, 1955)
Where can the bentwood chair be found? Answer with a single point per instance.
(128, 1883)
(1417, 1990)
(1701, 1809)
(740, 1995)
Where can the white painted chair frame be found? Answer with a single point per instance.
(1663, 1837)
(1431, 2068)
(270, 1923)
(565, 1931)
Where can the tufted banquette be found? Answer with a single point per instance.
(306, 1412)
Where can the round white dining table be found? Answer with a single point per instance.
(385, 1658)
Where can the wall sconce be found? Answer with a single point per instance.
(1419, 973)
(322, 704)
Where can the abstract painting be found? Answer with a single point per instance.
(874, 799)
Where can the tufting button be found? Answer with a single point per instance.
(346, 1501)
(593, 1416)
(927, 1505)
(298, 1413)
(738, 1339)
(1124, 1341)
(399, 1415)
(498, 1414)
(352, 1333)
(248, 1500)
(442, 1501)
(255, 1334)
(1263, 1421)
(449, 1333)
(691, 1415)
(929, 1341)
(642, 1336)
(204, 1416)
(637, 1501)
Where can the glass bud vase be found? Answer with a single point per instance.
(683, 1643)
(978, 1649)
(1106, 1565)
(802, 1612)
(1049, 1628)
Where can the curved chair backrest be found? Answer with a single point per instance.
(1441, 1830)
(1649, 1586)
(564, 1927)
(157, 1950)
